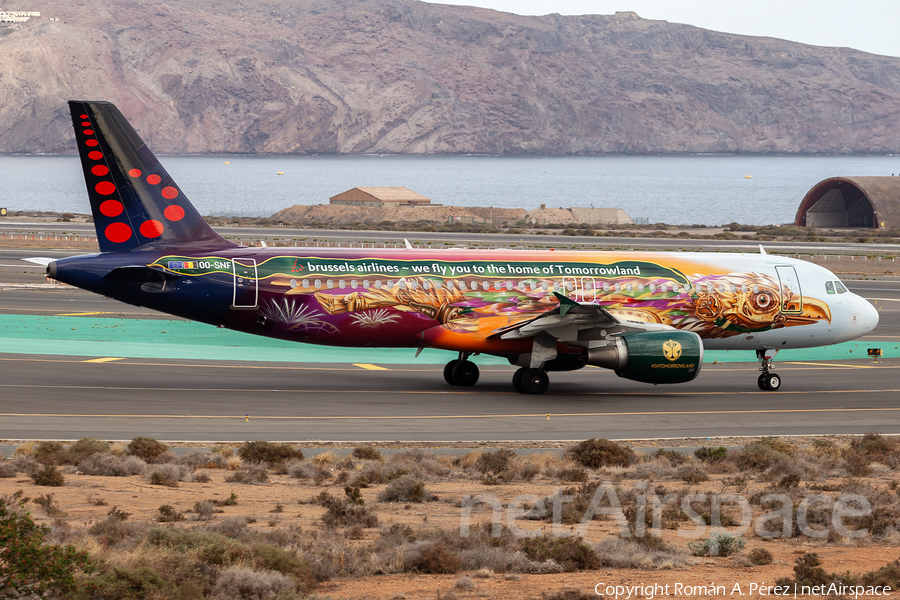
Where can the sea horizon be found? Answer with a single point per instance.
(683, 189)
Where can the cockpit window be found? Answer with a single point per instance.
(840, 287)
(829, 287)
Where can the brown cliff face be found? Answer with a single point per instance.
(399, 76)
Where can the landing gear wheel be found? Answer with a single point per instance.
(773, 382)
(517, 380)
(535, 381)
(465, 373)
(448, 371)
(761, 382)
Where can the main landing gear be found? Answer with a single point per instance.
(768, 382)
(461, 371)
(530, 381)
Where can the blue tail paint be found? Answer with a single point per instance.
(136, 204)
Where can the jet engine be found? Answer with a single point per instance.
(651, 356)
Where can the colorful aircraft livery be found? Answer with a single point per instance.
(647, 316)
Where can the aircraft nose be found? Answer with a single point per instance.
(868, 316)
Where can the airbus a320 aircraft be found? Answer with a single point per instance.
(647, 316)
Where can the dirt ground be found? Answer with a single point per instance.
(282, 502)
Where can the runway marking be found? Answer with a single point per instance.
(720, 367)
(832, 365)
(444, 417)
(81, 314)
(369, 367)
(103, 360)
(475, 392)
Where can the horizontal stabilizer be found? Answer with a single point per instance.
(39, 260)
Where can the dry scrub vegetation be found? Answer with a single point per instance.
(261, 521)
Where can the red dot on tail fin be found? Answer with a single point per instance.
(169, 193)
(111, 208)
(91, 142)
(86, 124)
(151, 228)
(174, 212)
(88, 132)
(117, 232)
(135, 172)
(82, 116)
(95, 155)
(99, 170)
(105, 188)
(153, 179)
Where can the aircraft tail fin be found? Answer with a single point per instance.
(136, 204)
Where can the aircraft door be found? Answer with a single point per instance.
(246, 289)
(791, 295)
(570, 287)
(588, 289)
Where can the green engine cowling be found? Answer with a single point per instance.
(652, 356)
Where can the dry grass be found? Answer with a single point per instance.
(359, 531)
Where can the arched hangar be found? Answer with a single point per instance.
(865, 202)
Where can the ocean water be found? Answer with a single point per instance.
(682, 190)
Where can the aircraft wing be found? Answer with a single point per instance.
(566, 322)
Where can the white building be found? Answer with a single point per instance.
(17, 16)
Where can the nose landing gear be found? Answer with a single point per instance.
(767, 381)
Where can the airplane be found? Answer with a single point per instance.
(648, 316)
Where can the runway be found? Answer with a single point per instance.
(173, 394)
(56, 397)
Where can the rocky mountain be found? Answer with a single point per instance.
(401, 76)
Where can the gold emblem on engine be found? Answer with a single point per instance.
(671, 350)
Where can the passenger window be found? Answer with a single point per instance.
(377, 284)
(353, 284)
(829, 287)
(437, 285)
(306, 283)
(426, 285)
(340, 284)
(462, 284)
(840, 287)
(365, 284)
(627, 287)
(318, 284)
(329, 284)
(652, 288)
(485, 285)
